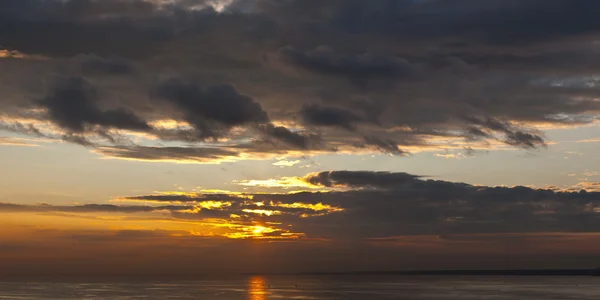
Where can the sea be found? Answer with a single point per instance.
(319, 287)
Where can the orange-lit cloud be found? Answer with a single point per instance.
(14, 54)
(284, 182)
(286, 163)
(7, 141)
(319, 207)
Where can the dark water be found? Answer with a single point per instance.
(317, 287)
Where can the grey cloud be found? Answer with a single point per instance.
(524, 139)
(359, 179)
(212, 107)
(315, 114)
(384, 145)
(93, 64)
(196, 154)
(514, 136)
(149, 153)
(294, 139)
(67, 28)
(382, 205)
(172, 210)
(356, 67)
(17, 127)
(402, 204)
(72, 104)
(462, 59)
(77, 139)
(214, 110)
(491, 21)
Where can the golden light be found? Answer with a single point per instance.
(314, 207)
(264, 212)
(283, 182)
(259, 230)
(170, 124)
(14, 54)
(256, 288)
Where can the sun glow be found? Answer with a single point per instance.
(314, 207)
(256, 288)
(264, 212)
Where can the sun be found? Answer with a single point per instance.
(258, 230)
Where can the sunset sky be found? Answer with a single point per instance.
(202, 136)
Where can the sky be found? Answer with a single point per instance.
(228, 136)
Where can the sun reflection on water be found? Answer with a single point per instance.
(256, 288)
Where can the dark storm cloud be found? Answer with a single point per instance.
(220, 103)
(67, 28)
(91, 64)
(72, 104)
(315, 114)
(294, 139)
(494, 21)
(212, 107)
(484, 70)
(216, 109)
(356, 67)
(403, 204)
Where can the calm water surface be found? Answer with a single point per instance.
(318, 287)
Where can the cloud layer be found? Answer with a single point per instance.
(366, 205)
(351, 76)
(357, 221)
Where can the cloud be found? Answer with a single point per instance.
(384, 145)
(72, 103)
(390, 76)
(168, 154)
(378, 215)
(265, 79)
(220, 105)
(185, 197)
(88, 208)
(387, 204)
(514, 136)
(362, 205)
(215, 110)
(102, 27)
(7, 141)
(15, 54)
(293, 139)
(359, 179)
(356, 67)
(315, 114)
(92, 64)
(286, 163)
(484, 21)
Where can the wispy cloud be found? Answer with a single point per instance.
(8, 141)
(286, 163)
